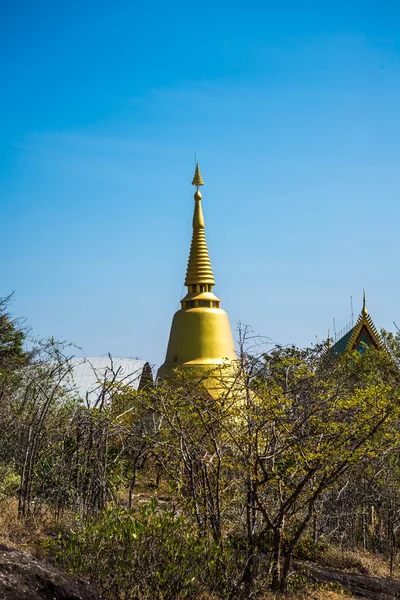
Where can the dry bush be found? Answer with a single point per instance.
(343, 561)
(28, 534)
(359, 561)
(306, 594)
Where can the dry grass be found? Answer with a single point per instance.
(361, 561)
(26, 534)
(307, 594)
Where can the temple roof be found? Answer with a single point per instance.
(342, 343)
(364, 333)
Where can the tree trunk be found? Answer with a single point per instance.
(276, 561)
(392, 550)
(315, 529)
(132, 485)
(285, 572)
(249, 571)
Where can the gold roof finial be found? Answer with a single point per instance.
(364, 311)
(199, 268)
(329, 338)
(197, 179)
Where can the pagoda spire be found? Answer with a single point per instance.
(197, 179)
(199, 270)
(200, 335)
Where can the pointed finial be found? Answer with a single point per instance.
(329, 338)
(197, 179)
(199, 270)
(364, 308)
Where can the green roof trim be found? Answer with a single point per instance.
(364, 333)
(341, 345)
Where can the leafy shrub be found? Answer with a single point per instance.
(307, 549)
(9, 482)
(147, 553)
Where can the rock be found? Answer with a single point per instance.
(363, 586)
(23, 577)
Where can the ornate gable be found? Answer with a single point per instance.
(364, 333)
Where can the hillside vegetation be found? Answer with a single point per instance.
(169, 493)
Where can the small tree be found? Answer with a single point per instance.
(310, 419)
(290, 425)
(12, 337)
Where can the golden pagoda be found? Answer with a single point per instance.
(200, 334)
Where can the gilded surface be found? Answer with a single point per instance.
(200, 332)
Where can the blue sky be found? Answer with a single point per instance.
(293, 111)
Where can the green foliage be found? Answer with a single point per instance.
(148, 553)
(12, 337)
(9, 481)
(308, 549)
(294, 436)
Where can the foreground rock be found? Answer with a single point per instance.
(363, 586)
(23, 577)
